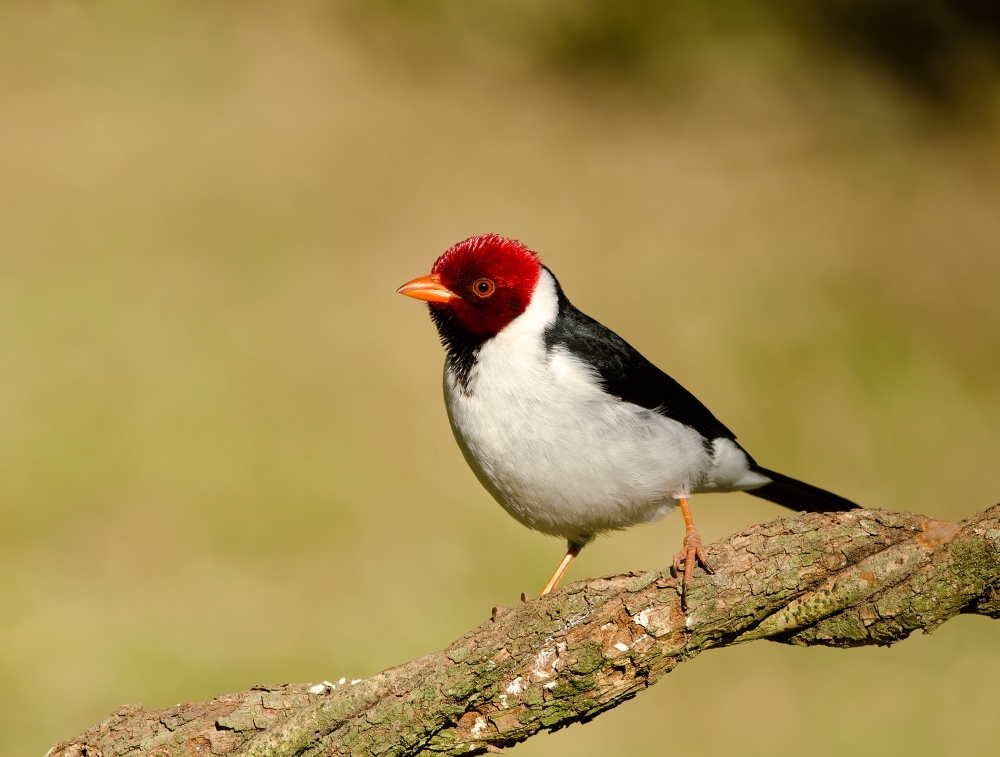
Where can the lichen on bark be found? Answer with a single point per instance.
(845, 579)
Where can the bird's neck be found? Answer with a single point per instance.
(463, 346)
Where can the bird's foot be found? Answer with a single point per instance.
(691, 553)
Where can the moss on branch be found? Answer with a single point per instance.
(845, 579)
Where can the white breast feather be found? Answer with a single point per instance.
(560, 454)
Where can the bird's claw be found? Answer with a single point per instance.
(691, 554)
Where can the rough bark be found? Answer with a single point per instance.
(844, 580)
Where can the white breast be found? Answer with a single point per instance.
(560, 454)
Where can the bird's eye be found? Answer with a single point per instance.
(483, 287)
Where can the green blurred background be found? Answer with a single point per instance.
(224, 457)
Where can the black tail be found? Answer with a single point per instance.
(798, 495)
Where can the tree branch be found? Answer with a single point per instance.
(844, 580)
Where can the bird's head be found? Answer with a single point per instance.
(479, 285)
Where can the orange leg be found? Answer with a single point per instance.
(691, 553)
(572, 550)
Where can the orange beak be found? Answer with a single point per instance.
(427, 288)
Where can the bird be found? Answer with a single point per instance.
(564, 423)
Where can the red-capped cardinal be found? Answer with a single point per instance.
(569, 428)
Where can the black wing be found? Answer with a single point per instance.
(626, 373)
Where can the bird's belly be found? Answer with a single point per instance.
(573, 466)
